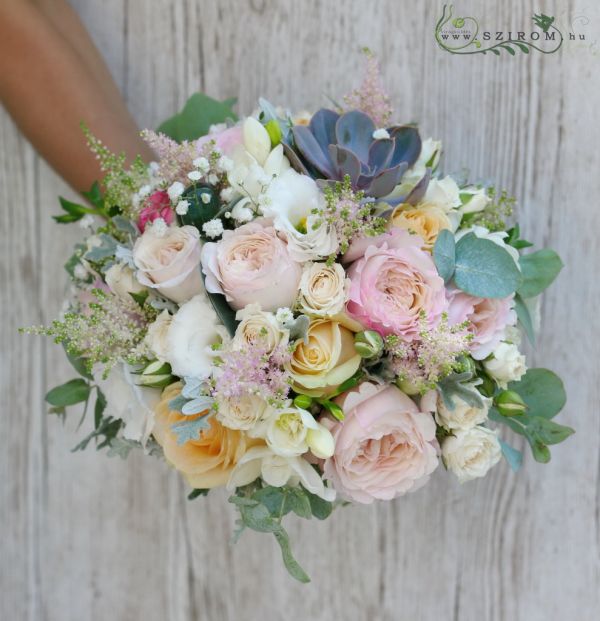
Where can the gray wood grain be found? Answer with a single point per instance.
(85, 537)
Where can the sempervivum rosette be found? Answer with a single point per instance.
(300, 307)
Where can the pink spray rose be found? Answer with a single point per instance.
(251, 265)
(157, 205)
(393, 281)
(489, 318)
(384, 447)
(226, 140)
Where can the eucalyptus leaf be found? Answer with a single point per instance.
(524, 317)
(513, 456)
(539, 271)
(543, 392)
(485, 269)
(444, 254)
(320, 508)
(547, 431)
(224, 312)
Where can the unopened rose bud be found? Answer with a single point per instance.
(303, 401)
(368, 344)
(274, 132)
(407, 387)
(320, 442)
(510, 403)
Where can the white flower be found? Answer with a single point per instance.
(242, 413)
(444, 193)
(258, 327)
(175, 190)
(464, 415)
(293, 200)
(213, 228)
(213, 179)
(225, 163)
(284, 315)
(497, 237)
(276, 470)
(144, 191)
(159, 227)
(182, 207)
(122, 281)
(470, 453)
(132, 404)
(195, 175)
(205, 197)
(507, 364)
(323, 289)
(80, 272)
(202, 163)
(478, 202)
(240, 213)
(380, 133)
(156, 338)
(194, 329)
(227, 194)
(87, 222)
(286, 431)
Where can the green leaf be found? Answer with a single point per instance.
(547, 431)
(107, 431)
(94, 195)
(66, 219)
(543, 392)
(120, 447)
(513, 456)
(79, 364)
(524, 317)
(195, 493)
(198, 114)
(320, 508)
(508, 49)
(298, 502)
(140, 297)
(99, 408)
(444, 254)
(291, 564)
(188, 430)
(485, 269)
(274, 498)
(224, 312)
(73, 209)
(539, 270)
(75, 391)
(258, 517)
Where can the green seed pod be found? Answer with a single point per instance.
(303, 402)
(368, 344)
(274, 132)
(408, 388)
(203, 205)
(510, 403)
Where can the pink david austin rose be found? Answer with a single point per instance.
(393, 282)
(488, 319)
(384, 447)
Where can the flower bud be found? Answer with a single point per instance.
(303, 401)
(407, 387)
(368, 344)
(510, 403)
(153, 381)
(274, 132)
(320, 442)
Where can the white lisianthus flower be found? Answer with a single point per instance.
(464, 415)
(292, 202)
(132, 404)
(470, 453)
(478, 202)
(122, 281)
(156, 338)
(507, 364)
(175, 190)
(253, 163)
(242, 413)
(258, 327)
(194, 329)
(287, 433)
(497, 237)
(276, 470)
(323, 289)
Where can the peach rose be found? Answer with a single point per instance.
(208, 461)
(426, 220)
(168, 260)
(384, 447)
(251, 265)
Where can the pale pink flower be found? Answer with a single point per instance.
(252, 265)
(384, 447)
(225, 140)
(489, 318)
(394, 284)
(157, 205)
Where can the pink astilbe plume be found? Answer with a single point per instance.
(175, 160)
(371, 98)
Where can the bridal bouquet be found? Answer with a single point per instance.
(303, 309)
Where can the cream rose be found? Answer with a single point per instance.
(168, 260)
(507, 364)
(328, 358)
(463, 415)
(242, 413)
(122, 281)
(470, 453)
(157, 336)
(426, 220)
(251, 265)
(323, 289)
(257, 326)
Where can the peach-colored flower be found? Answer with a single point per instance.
(425, 220)
(208, 461)
(251, 265)
(384, 447)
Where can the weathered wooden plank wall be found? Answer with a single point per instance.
(84, 537)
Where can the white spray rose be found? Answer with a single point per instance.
(444, 193)
(157, 336)
(133, 404)
(122, 281)
(291, 200)
(478, 202)
(323, 289)
(257, 326)
(507, 364)
(464, 415)
(194, 329)
(470, 453)
(242, 413)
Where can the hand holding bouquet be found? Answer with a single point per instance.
(302, 308)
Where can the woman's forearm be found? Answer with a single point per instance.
(51, 79)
